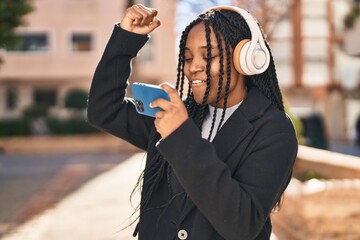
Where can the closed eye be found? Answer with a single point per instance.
(210, 58)
(188, 60)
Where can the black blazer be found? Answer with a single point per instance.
(225, 189)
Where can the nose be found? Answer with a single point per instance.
(197, 65)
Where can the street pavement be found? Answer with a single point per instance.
(31, 183)
(99, 210)
(349, 148)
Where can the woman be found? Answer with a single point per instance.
(219, 161)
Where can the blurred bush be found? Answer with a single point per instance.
(35, 120)
(69, 126)
(16, 127)
(35, 111)
(296, 120)
(299, 128)
(314, 131)
(76, 100)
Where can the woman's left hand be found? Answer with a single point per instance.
(174, 112)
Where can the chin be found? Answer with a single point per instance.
(198, 100)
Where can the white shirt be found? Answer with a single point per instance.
(206, 127)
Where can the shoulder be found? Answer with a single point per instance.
(267, 120)
(262, 114)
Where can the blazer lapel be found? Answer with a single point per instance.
(239, 125)
(224, 143)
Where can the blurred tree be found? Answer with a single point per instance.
(34, 116)
(35, 111)
(269, 13)
(197, 6)
(353, 14)
(11, 14)
(76, 99)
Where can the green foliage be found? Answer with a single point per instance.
(299, 128)
(69, 126)
(11, 14)
(18, 127)
(76, 99)
(21, 127)
(352, 15)
(35, 111)
(311, 175)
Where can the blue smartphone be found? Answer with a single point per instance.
(144, 94)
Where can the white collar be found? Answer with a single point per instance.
(206, 127)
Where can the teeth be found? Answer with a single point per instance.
(197, 81)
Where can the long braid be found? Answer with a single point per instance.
(228, 56)
(221, 77)
(181, 61)
(203, 107)
(275, 85)
(228, 41)
(189, 102)
(180, 69)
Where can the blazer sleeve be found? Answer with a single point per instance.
(237, 205)
(108, 108)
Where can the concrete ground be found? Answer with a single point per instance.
(97, 211)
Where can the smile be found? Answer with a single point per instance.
(197, 82)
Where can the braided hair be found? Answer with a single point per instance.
(229, 27)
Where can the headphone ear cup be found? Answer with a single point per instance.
(239, 57)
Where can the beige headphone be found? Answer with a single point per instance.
(250, 56)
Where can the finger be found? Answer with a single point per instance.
(155, 23)
(171, 90)
(134, 15)
(152, 12)
(145, 14)
(129, 19)
(142, 15)
(148, 14)
(161, 103)
(151, 18)
(159, 114)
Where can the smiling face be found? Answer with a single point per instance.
(195, 69)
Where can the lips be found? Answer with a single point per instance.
(197, 82)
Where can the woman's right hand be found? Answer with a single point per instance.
(140, 19)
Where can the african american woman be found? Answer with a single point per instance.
(219, 156)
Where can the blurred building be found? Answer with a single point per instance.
(62, 43)
(318, 77)
(64, 40)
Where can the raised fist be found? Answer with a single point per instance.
(140, 19)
